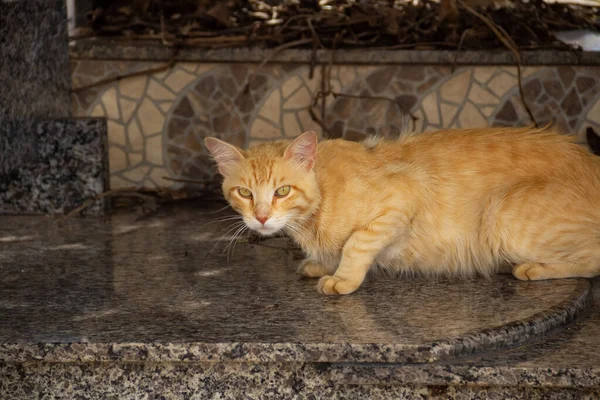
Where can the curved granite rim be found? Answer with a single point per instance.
(503, 336)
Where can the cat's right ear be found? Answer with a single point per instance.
(227, 156)
(303, 150)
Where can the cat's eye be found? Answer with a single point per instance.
(244, 192)
(282, 191)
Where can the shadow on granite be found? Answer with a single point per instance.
(118, 289)
(68, 166)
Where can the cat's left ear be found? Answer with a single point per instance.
(303, 150)
(226, 155)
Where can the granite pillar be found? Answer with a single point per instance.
(39, 173)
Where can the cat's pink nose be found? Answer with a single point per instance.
(262, 219)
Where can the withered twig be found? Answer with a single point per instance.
(127, 192)
(117, 78)
(510, 44)
(272, 54)
(460, 43)
(167, 178)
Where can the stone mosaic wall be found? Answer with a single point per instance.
(157, 123)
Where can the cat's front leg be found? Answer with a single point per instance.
(358, 255)
(312, 269)
(317, 267)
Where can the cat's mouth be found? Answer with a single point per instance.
(266, 231)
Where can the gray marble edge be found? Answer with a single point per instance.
(489, 339)
(106, 49)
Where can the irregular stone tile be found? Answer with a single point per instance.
(573, 124)
(483, 74)
(430, 108)
(427, 85)
(479, 95)
(566, 74)
(355, 135)
(290, 86)
(344, 107)
(109, 100)
(179, 79)
(262, 130)
(176, 167)
(157, 176)
(471, 118)
(244, 102)
(134, 159)
(585, 83)
(150, 117)
(165, 106)
(455, 89)
(158, 92)
(133, 87)
(532, 89)
(572, 104)
(379, 80)
(291, 127)
(134, 134)
(554, 89)
(235, 124)
(337, 129)
(407, 101)
(448, 114)
(206, 86)
(184, 109)
(411, 73)
(188, 66)
(258, 82)
(239, 73)
(154, 150)
(307, 123)
(98, 111)
(501, 84)
(594, 112)
(178, 153)
(507, 113)
(127, 107)
(227, 85)
(116, 182)
(116, 133)
(488, 111)
(117, 159)
(221, 124)
(193, 144)
(137, 174)
(347, 75)
(301, 99)
(271, 109)
(177, 126)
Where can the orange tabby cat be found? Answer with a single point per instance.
(450, 202)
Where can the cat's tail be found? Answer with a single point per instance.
(593, 140)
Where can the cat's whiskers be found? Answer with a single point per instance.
(231, 228)
(225, 218)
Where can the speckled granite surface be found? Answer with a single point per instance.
(34, 59)
(70, 166)
(166, 321)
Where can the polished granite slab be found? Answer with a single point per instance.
(67, 164)
(119, 289)
(128, 307)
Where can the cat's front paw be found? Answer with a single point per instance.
(336, 285)
(312, 269)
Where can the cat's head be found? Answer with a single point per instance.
(272, 185)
